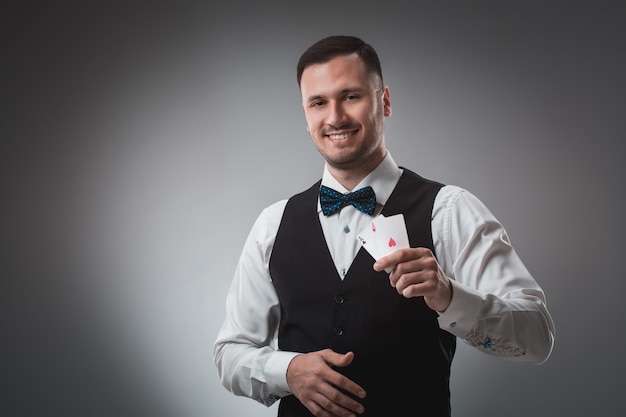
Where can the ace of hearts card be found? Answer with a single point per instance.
(384, 235)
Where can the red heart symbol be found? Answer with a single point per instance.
(392, 242)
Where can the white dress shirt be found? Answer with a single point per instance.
(496, 306)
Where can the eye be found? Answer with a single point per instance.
(351, 97)
(317, 103)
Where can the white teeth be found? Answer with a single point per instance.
(339, 137)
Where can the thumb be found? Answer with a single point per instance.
(338, 359)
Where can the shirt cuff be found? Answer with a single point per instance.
(461, 315)
(276, 372)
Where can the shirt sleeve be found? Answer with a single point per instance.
(245, 351)
(497, 306)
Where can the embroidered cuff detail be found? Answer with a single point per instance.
(268, 399)
(479, 340)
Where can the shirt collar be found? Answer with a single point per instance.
(382, 179)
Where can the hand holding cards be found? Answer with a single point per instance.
(384, 235)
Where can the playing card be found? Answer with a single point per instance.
(391, 235)
(384, 235)
(368, 237)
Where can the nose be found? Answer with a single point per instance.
(336, 115)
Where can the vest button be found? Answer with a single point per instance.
(339, 299)
(338, 331)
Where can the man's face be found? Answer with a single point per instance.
(345, 107)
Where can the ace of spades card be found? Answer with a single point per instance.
(384, 235)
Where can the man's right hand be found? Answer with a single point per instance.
(318, 386)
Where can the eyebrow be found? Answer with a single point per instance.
(342, 92)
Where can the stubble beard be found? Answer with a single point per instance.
(348, 160)
(358, 159)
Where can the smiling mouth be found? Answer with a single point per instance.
(340, 136)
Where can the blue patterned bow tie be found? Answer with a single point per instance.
(332, 201)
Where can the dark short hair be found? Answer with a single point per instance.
(328, 48)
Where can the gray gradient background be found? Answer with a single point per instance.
(119, 124)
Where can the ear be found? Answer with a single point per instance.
(386, 101)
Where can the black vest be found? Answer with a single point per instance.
(402, 358)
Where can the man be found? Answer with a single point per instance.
(313, 320)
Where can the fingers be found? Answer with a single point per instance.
(420, 273)
(415, 273)
(339, 380)
(318, 386)
(401, 256)
(333, 403)
(404, 260)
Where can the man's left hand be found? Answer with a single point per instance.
(416, 272)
